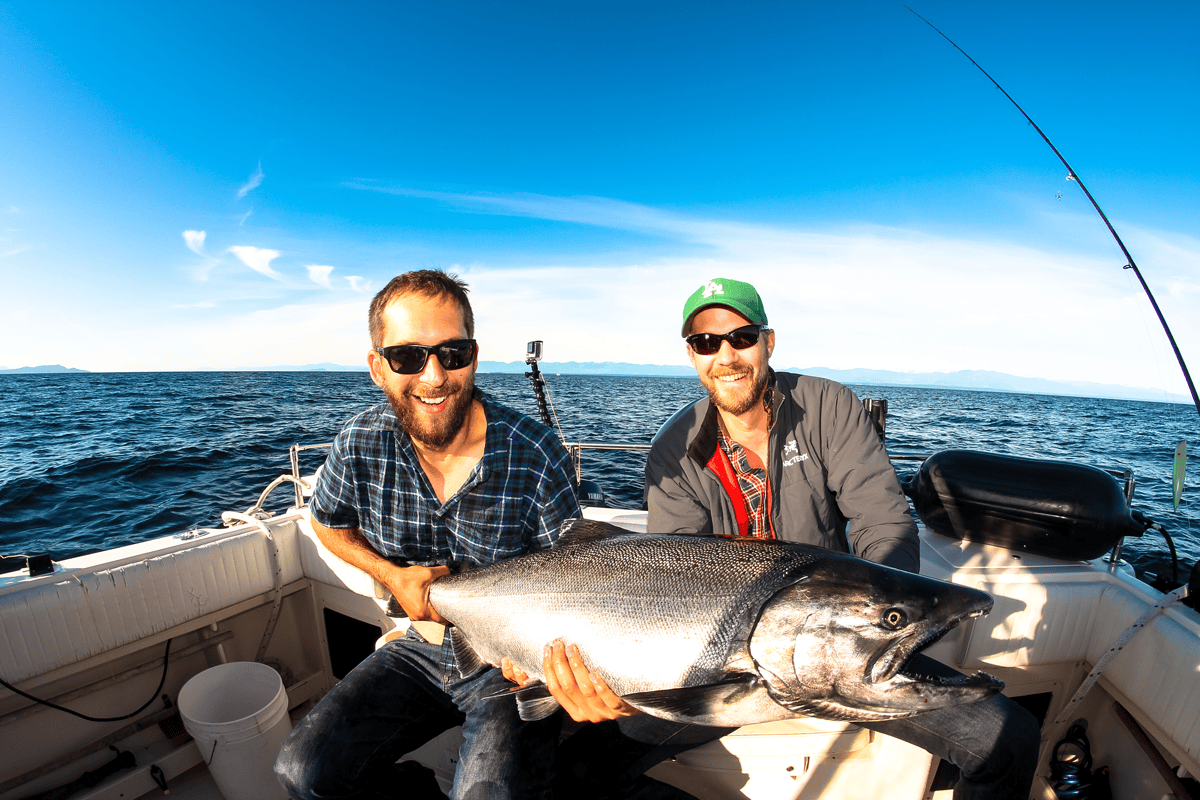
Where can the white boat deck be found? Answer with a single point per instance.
(95, 621)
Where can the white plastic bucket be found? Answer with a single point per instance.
(237, 713)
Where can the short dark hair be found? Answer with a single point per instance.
(430, 283)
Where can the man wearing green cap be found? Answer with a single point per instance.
(781, 456)
(708, 471)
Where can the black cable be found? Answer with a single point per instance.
(162, 681)
(1071, 764)
(1174, 556)
(1150, 524)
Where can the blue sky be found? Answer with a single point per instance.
(196, 186)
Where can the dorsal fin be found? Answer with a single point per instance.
(578, 531)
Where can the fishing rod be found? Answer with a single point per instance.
(1074, 176)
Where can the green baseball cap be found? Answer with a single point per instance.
(739, 296)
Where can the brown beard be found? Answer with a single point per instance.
(743, 403)
(443, 430)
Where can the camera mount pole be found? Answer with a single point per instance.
(539, 390)
(533, 354)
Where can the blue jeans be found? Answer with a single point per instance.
(401, 696)
(994, 744)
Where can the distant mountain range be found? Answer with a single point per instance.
(985, 380)
(589, 368)
(517, 367)
(980, 380)
(42, 369)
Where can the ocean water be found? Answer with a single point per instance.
(95, 461)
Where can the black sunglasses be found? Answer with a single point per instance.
(708, 344)
(409, 359)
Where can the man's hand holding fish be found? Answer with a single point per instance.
(583, 694)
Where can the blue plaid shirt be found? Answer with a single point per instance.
(513, 502)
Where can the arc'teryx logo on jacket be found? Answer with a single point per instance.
(790, 446)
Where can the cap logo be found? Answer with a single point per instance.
(712, 287)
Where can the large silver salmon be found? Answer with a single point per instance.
(712, 630)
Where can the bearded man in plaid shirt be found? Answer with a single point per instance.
(438, 474)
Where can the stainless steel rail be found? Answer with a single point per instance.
(294, 456)
(575, 449)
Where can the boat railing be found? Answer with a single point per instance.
(296, 479)
(575, 450)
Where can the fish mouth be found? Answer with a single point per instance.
(896, 659)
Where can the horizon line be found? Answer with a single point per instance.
(1055, 388)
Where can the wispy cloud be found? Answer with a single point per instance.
(252, 183)
(195, 241)
(258, 259)
(12, 210)
(1173, 258)
(201, 304)
(358, 284)
(242, 219)
(882, 278)
(588, 210)
(319, 274)
(14, 251)
(607, 213)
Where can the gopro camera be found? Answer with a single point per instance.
(533, 352)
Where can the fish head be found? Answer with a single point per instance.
(839, 644)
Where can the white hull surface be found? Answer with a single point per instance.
(91, 637)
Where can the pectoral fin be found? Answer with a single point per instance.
(707, 704)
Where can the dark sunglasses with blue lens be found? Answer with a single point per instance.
(409, 359)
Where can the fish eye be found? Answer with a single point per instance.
(894, 619)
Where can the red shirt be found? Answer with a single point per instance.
(753, 485)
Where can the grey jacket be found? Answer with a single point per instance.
(831, 481)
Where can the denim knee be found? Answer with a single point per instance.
(1013, 758)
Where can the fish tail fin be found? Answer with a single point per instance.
(534, 700)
